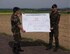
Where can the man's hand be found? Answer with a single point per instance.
(23, 31)
(21, 28)
(51, 28)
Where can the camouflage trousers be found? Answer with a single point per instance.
(17, 39)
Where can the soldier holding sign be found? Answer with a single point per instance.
(16, 27)
(54, 21)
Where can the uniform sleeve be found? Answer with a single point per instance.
(51, 20)
(58, 18)
(18, 22)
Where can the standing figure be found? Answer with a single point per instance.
(16, 27)
(54, 22)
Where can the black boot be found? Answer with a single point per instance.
(55, 50)
(49, 47)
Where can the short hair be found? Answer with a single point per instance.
(16, 9)
(54, 6)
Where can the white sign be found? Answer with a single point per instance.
(39, 22)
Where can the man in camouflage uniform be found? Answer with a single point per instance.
(16, 26)
(54, 22)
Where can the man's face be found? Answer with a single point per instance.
(18, 13)
(54, 9)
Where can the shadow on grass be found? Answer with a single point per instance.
(26, 42)
(29, 42)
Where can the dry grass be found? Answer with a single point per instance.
(64, 32)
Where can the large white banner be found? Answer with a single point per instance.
(39, 22)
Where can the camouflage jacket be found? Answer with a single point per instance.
(15, 21)
(54, 19)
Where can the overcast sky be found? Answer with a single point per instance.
(34, 3)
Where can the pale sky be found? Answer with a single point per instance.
(34, 3)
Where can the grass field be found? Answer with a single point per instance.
(30, 11)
